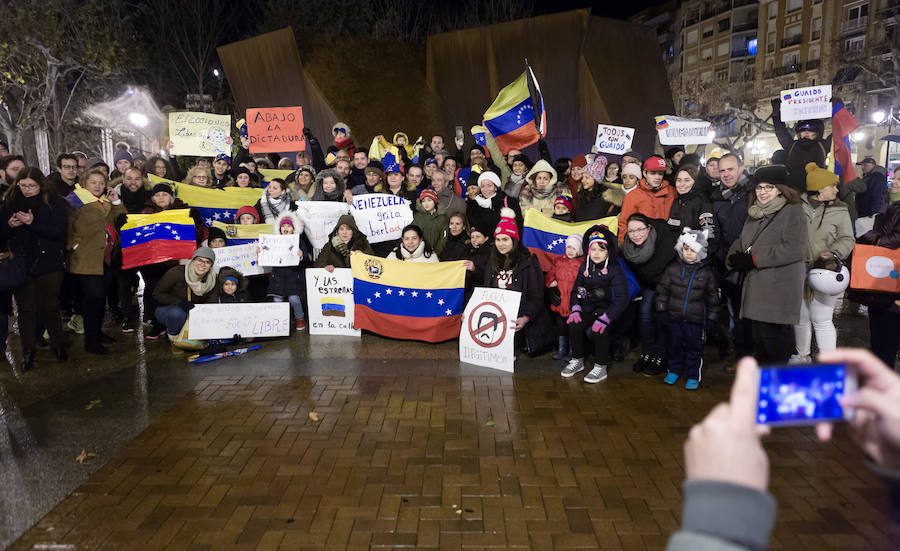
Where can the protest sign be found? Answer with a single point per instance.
(329, 297)
(279, 250)
(242, 258)
(381, 216)
(613, 139)
(275, 129)
(681, 131)
(812, 102)
(247, 319)
(487, 336)
(201, 134)
(319, 219)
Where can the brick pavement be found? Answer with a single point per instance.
(529, 462)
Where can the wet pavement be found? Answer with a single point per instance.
(411, 448)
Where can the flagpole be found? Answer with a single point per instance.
(532, 90)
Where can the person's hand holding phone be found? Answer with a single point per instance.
(726, 445)
(875, 426)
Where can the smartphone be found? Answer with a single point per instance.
(804, 394)
(459, 133)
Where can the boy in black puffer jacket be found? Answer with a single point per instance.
(689, 294)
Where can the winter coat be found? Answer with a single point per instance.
(221, 183)
(694, 210)
(87, 235)
(418, 255)
(592, 204)
(151, 208)
(59, 186)
(829, 229)
(317, 192)
(486, 219)
(564, 271)
(688, 292)
(651, 203)
(773, 289)
(433, 225)
(847, 193)
(529, 199)
(409, 194)
(241, 295)
(730, 207)
(456, 247)
(801, 151)
(290, 280)
(885, 233)
(453, 203)
(173, 288)
(42, 243)
(648, 273)
(871, 201)
(339, 256)
(527, 278)
(596, 292)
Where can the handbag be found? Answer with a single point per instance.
(12, 271)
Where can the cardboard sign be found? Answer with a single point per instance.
(275, 129)
(329, 297)
(279, 250)
(875, 269)
(613, 139)
(487, 336)
(242, 258)
(381, 216)
(201, 134)
(319, 219)
(812, 102)
(681, 131)
(247, 319)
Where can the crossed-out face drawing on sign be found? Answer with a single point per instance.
(487, 324)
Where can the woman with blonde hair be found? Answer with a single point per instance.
(198, 176)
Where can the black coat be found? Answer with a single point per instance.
(456, 248)
(528, 279)
(43, 242)
(599, 293)
(486, 220)
(649, 272)
(688, 292)
(694, 210)
(730, 207)
(290, 280)
(592, 205)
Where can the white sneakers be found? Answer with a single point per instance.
(596, 375)
(576, 365)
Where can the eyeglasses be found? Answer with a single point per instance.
(204, 261)
(765, 188)
(640, 230)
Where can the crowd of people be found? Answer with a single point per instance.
(703, 249)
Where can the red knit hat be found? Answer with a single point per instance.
(507, 224)
(655, 164)
(580, 160)
(564, 200)
(246, 209)
(429, 194)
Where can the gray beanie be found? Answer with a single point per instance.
(697, 240)
(204, 252)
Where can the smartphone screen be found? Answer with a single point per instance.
(459, 133)
(803, 394)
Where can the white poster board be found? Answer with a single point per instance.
(242, 258)
(319, 219)
(613, 139)
(329, 297)
(681, 131)
(812, 102)
(279, 250)
(381, 216)
(487, 336)
(247, 319)
(201, 134)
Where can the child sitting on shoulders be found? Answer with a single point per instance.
(560, 280)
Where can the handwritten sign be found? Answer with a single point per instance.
(812, 102)
(381, 216)
(487, 336)
(279, 250)
(275, 129)
(329, 297)
(249, 320)
(613, 139)
(681, 131)
(319, 219)
(201, 134)
(242, 258)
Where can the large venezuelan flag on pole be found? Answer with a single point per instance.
(512, 120)
(546, 237)
(843, 123)
(408, 300)
(152, 238)
(213, 204)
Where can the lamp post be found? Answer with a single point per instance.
(878, 117)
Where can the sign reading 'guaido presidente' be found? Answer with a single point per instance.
(275, 129)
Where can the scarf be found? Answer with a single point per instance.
(199, 286)
(273, 208)
(484, 202)
(418, 253)
(514, 185)
(643, 253)
(530, 192)
(134, 200)
(758, 210)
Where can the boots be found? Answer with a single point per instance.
(562, 348)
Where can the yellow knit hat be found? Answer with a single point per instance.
(818, 178)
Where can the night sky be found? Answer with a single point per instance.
(616, 10)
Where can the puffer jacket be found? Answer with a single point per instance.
(172, 288)
(651, 203)
(601, 289)
(829, 227)
(338, 255)
(564, 271)
(486, 219)
(688, 292)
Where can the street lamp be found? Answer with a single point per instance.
(138, 119)
(878, 116)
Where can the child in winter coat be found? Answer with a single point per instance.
(289, 282)
(689, 293)
(599, 296)
(562, 209)
(231, 287)
(560, 280)
(432, 219)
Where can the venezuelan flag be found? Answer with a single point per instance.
(511, 118)
(213, 204)
(842, 125)
(333, 306)
(546, 237)
(152, 238)
(269, 174)
(241, 234)
(408, 300)
(80, 197)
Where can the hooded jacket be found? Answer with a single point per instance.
(433, 225)
(338, 255)
(829, 229)
(564, 271)
(652, 203)
(601, 289)
(290, 280)
(241, 295)
(531, 198)
(688, 292)
(319, 192)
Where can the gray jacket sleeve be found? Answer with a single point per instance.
(719, 516)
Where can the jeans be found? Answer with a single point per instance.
(173, 317)
(296, 304)
(653, 334)
(816, 314)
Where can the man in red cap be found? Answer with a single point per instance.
(653, 197)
